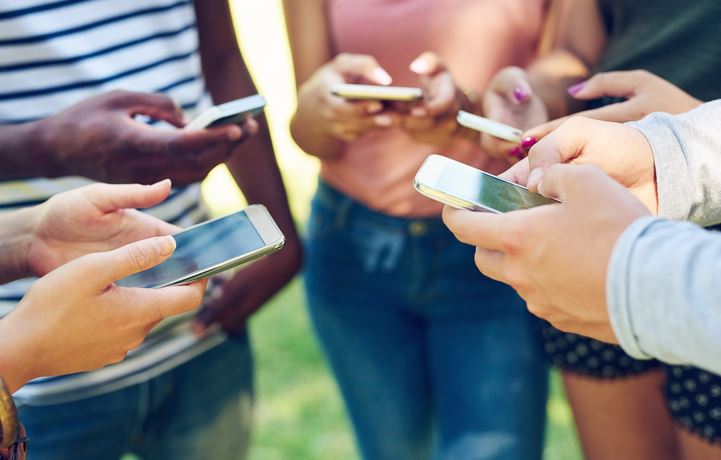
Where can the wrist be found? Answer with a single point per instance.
(16, 236)
(44, 149)
(16, 358)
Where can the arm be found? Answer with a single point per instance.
(686, 151)
(255, 171)
(15, 240)
(663, 292)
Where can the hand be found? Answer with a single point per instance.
(90, 219)
(620, 150)
(335, 116)
(100, 139)
(75, 319)
(433, 121)
(510, 99)
(248, 290)
(556, 256)
(644, 92)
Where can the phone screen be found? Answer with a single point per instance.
(485, 190)
(200, 248)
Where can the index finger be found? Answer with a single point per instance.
(480, 229)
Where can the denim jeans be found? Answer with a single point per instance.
(197, 411)
(433, 359)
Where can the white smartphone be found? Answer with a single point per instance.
(212, 247)
(377, 93)
(464, 187)
(494, 128)
(233, 112)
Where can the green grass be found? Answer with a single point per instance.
(299, 414)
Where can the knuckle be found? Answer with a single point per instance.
(137, 258)
(514, 239)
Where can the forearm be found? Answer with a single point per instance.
(308, 133)
(686, 150)
(15, 239)
(663, 292)
(21, 155)
(16, 358)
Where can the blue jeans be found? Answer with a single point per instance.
(433, 359)
(197, 411)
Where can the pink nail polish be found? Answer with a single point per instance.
(520, 93)
(517, 152)
(575, 89)
(528, 142)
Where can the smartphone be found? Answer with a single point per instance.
(234, 112)
(377, 93)
(212, 247)
(494, 128)
(463, 187)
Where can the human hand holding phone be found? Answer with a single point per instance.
(620, 150)
(76, 319)
(538, 251)
(510, 99)
(100, 139)
(94, 218)
(432, 120)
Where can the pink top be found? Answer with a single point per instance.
(475, 38)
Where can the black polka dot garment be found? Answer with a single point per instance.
(694, 400)
(579, 354)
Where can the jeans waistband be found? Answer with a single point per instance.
(346, 208)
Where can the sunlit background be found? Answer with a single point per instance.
(299, 414)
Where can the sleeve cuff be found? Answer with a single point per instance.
(618, 289)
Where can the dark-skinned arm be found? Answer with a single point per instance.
(254, 169)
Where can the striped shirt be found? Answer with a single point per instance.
(55, 53)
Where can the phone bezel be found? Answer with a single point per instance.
(260, 218)
(229, 112)
(433, 167)
(352, 91)
(490, 127)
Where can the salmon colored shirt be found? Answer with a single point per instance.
(475, 38)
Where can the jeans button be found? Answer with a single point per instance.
(418, 228)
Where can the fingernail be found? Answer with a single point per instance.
(575, 89)
(517, 152)
(383, 120)
(528, 142)
(374, 107)
(419, 112)
(521, 93)
(235, 133)
(420, 65)
(381, 76)
(161, 182)
(535, 177)
(166, 245)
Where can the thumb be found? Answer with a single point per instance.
(572, 183)
(562, 145)
(359, 65)
(113, 197)
(605, 84)
(131, 258)
(427, 64)
(155, 106)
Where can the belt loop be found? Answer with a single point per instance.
(342, 216)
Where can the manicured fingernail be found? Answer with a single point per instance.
(521, 93)
(383, 120)
(419, 112)
(161, 182)
(535, 177)
(517, 152)
(374, 107)
(528, 142)
(381, 76)
(420, 65)
(575, 89)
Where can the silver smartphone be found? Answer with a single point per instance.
(234, 112)
(212, 247)
(494, 128)
(464, 187)
(377, 93)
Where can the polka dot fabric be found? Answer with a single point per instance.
(575, 353)
(694, 400)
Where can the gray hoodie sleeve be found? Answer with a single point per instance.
(664, 293)
(687, 155)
